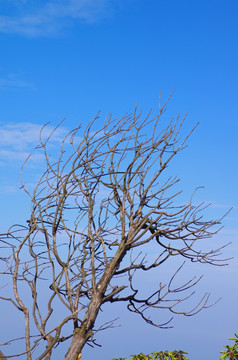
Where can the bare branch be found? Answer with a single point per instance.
(102, 201)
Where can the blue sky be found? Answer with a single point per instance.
(70, 58)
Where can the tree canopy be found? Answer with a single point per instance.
(95, 210)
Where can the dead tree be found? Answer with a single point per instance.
(95, 211)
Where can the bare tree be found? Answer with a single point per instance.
(95, 211)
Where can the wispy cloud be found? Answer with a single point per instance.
(20, 139)
(17, 142)
(9, 189)
(36, 18)
(13, 80)
(6, 83)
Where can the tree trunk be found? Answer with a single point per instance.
(84, 332)
(77, 344)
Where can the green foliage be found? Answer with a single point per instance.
(231, 352)
(161, 355)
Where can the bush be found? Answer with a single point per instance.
(231, 353)
(162, 355)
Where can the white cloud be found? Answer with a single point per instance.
(13, 80)
(35, 18)
(6, 83)
(9, 189)
(20, 139)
